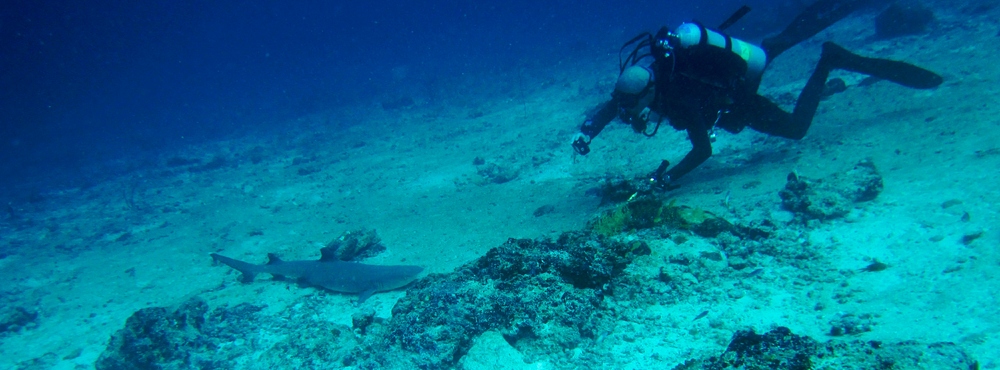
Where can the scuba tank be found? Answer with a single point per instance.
(692, 34)
(714, 47)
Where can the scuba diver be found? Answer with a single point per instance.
(700, 79)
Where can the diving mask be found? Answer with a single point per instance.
(634, 91)
(635, 110)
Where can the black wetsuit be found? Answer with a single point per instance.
(697, 104)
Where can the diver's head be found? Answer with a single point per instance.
(635, 92)
(633, 80)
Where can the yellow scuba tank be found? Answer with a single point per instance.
(691, 34)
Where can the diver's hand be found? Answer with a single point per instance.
(581, 144)
(663, 184)
(659, 180)
(649, 185)
(656, 182)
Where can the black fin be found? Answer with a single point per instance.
(273, 259)
(901, 73)
(814, 19)
(734, 18)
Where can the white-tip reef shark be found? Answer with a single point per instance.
(330, 273)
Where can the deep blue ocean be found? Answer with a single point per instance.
(85, 82)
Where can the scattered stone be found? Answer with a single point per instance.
(194, 337)
(305, 171)
(355, 245)
(217, 162)
(544, 210)
(497, 174)
(781, 349)
(875, 266)
(256, 154)
(182, 162)
(13, 319)
(834, 86)
(832, 197)
(950, 203)
(849, 324)
(903, 18)
(362, 319)
(491, 351)
(971, 236)
(47, 361)
(738, 263)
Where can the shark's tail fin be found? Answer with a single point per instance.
(248, 270)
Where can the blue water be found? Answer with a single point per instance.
(84, 83)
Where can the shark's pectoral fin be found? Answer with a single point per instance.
(364, 295)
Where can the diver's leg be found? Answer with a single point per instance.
(902, 73)
(764, 116)
(809, 97)
(815, 18)
(767, 117)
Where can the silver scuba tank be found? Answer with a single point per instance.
(690, 34)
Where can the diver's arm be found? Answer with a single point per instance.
(700, 151)
(600, 119)
(594, 125)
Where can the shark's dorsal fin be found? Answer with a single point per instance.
(273, 259)
(328, 254)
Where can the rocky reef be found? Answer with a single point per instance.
(193, 336)
(573, 301)
(834, 196)
(902, 18)
(781, 349)
(541, 296)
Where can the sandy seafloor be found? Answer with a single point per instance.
(85, 259)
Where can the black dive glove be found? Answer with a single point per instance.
(581, 143)
(659, 180)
